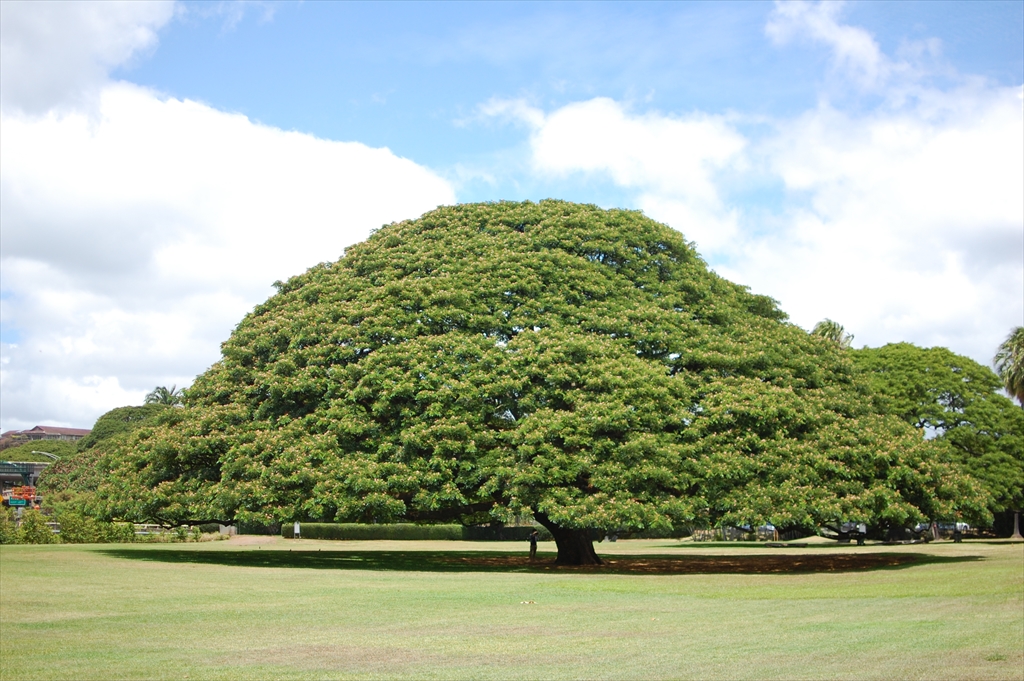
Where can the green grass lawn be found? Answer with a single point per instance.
(267, 607)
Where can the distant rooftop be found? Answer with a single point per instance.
(13, 438)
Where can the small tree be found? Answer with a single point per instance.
(8, 527)
(126, 419)
(34, 529)
(76, 528)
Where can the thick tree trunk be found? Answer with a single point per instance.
(575, 547)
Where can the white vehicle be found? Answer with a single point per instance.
(943, 527)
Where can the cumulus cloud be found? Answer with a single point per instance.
(136, 236)
(59, 53)
(672, 162)
(907, 224)
(138, 229)
(904, 221)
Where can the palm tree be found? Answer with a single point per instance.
(162, 395)
(1009, 363)
(834, 332)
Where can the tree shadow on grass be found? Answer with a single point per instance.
(443, 561)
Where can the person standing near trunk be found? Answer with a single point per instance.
(533, 545)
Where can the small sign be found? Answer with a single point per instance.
(17, 502)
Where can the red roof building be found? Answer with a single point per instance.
(13, 438)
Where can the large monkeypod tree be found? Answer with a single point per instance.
(577, 365)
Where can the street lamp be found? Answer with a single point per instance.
(52, 456)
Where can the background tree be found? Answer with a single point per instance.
(69, 485)
(24, 452)
(834, 332)
(124, 420)
(161, 395)
(556, 360)
(1009, 362)
(956, 401)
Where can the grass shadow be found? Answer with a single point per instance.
(445, 561)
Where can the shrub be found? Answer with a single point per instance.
(77, 528)
(409, 531)
(34, 529)
(8, 527)
(404, 531)
(487, 533)
(118, 533)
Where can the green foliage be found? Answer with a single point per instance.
(34, 529)
(834, 332)
(76, 528)
(119, 533)
(409, 531)
(8, 526)
(498, 533)
(956, 400)
(1009, 363)
(166, 397)
(402, 531)
(24, 452)
(70, 484)
(553, 359)
(121, 420)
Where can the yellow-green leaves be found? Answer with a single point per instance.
(516, 358)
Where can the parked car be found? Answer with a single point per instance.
(943, 527)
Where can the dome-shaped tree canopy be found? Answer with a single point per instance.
(577, 364)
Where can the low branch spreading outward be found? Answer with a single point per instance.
(557, 360)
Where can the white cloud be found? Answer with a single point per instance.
(857, 58)
(912, 227)
(134, 238)
(661, 153)
(233, 11)
(854, 49)
(672, 162)
(904, 222)
(58, 53)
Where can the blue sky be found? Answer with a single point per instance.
(163, 162)
(410, 76)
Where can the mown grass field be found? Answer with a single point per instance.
(272, 608)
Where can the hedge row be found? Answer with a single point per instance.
(486, 533)
(409, 531)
